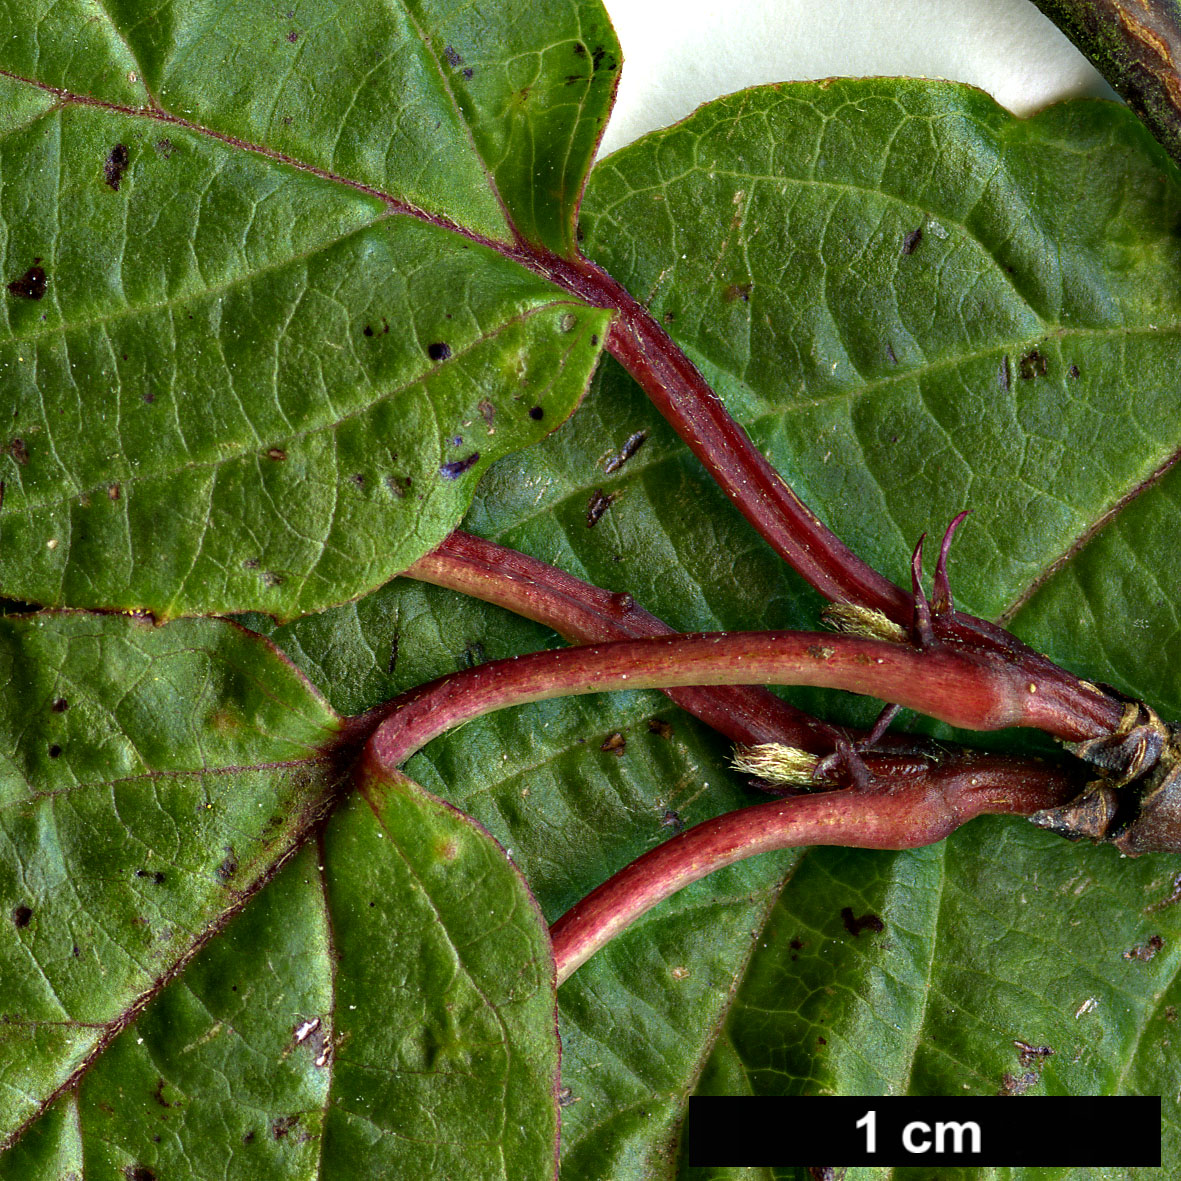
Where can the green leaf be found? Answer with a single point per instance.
(256, 342)
(150, 779)
(362, 1017)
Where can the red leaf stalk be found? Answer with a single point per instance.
(899, 815)
(586, 614)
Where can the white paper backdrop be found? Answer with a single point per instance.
(681, 53)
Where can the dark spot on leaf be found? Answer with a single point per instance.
(796, 943)
(579, 233)
(457, 440)
(156, 877)
(1004, 377)
(911, 240)
(438, 351)
(536, 413)
(158, 1094)
(738, 291)
(891, 354)
(1171, 1013)
(398, 485)
(293, 36)
(277, 454)
(487, 410)
(469, 73)
(18, 450)
(660, 728)
(115, 165)
(671, 819)
(598, 504)
(594, 340)
(1145, 951)
(1018, 1084)
(248, 1138)
(60, 705)
(614, 744)
(77, 952)
(1028, 1054)
(228, 866)
(579, 49)
(453, 58)
(456, 468)
(358, 479)
(1032, 365)
(1073, 371)
(601, 59)
(368, 329)
(22, 916)
(867, 922)
(252, 563)
(393, 661)
(270, 578)
(149, 398)
(472, 655)
(139, 1173)
(566, 1097)
(633, 444)
(283, 1125)
(113, 491)
(164, 147)
(55, 751)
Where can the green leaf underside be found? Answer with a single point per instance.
(871, 367)
(147, 778)
(244, 384)
(385, 1007)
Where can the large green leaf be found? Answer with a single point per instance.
(254, 353)
(150, 779)
(365, 1016)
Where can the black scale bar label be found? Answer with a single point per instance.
(1063, 1132)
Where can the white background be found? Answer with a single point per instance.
(681, 53)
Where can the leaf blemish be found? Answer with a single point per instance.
(536, 413)
(630, 447)
(277, 454)
(1004, 378)
(22, 916)
(157, 876)
(456, 468)
(32, 284)
(228, 866)
(614, 744)
(453, 58)
(55, 751)
(60, 706)
(438, 351)
(912, 240)
(598, 504)
(18, 450)
(139, 1173)
(867, 922)
(164, 147)
(1032, 365)
(1147, 950)
(660, 728)
(115, 165)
